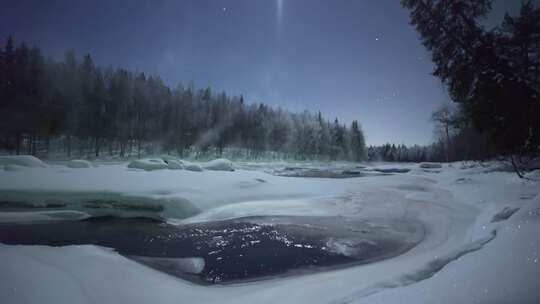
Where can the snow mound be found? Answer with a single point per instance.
(175, 164)
(220, 164)
(79, 163)
(430, 166)
(193, 167)
(23, 161)
(148, 164)
(534, 175)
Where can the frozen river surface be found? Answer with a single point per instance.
(269, 233)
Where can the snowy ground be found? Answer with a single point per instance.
(464, 256)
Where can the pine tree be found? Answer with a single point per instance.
(492, 74)
(357, 141)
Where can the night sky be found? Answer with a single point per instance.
(354, 59)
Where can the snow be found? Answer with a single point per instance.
(193, 167)
(459, 260)
(174, 164)
(13, 167)
(506, 270)
(219, 165)
(534, 175)
(430, 166)
(22, 160)
(148, 164)
(79, 163)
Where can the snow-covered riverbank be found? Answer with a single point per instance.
(461, 258)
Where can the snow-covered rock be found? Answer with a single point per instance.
(23, 161)
(193, 167)
(175, 164)
(79, 163)
(430, 166)
(148, 164)
(220, 164)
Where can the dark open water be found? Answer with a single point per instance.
(232, 250)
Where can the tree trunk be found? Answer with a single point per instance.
(122, 147)
(34, 145)
(29, 144)
(515, 166)
(97, 147)
(447, 143)
(48, 142)
(69, 145)
(18, 143)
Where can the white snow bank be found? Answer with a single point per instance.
(148, 164)
(506, 270)
(220, 164)
(430, 166)
(79, 163)
(23, 161)
(193, 167)
(174, 164)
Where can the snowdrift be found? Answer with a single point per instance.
(193, 167)
(148, 164)
(220, 164)
(23, 161)
(174, 164)
(79, 163)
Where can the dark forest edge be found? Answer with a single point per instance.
(493, 75)
(74, 108)
(71, 109)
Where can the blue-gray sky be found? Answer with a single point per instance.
(351, 59)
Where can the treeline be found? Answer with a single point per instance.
(492, 74)
(84, 110)
(456, 139)
(399, 153)
(467, 144)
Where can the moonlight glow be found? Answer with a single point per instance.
(279, 15)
